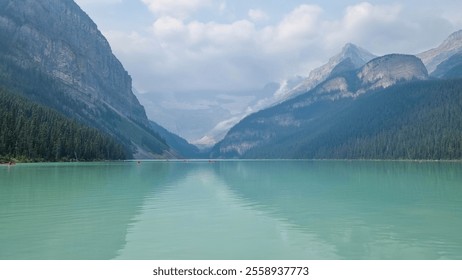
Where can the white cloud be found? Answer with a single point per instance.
(181, 53)
(302, 22)
(179, 8)
(393, 28)
(203, 39)
(364, 21)
(195, 52)
(168, 27)
(222, 7)
(97, 2)
(257, 15)
(230, 36)
(295, 31)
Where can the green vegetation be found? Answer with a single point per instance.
(412, 121)
(31, 132)
(178, 144)
(50, 92)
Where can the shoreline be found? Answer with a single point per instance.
(13, 163)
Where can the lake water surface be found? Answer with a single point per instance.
(232, 210)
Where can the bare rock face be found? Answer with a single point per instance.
(351, 57)
(58, 40)
(57, 37)
(379, 73)
(388, 70)
(451, 46)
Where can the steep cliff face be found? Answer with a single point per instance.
(60, 39)
(57, 41)
(388, 70)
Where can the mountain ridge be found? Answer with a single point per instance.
(433, 57)
(303, 111)
(53, 53)
(357, 57)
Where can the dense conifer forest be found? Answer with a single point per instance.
(51, 93)
(31, 132)
(418, 120)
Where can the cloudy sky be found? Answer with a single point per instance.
(181, 45)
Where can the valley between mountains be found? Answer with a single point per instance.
(65, 96)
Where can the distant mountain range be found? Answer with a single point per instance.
(388, 107)
(52, 53)
(55, 61)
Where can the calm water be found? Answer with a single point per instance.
(231, 210)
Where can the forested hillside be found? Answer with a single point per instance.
(421, 120)
(416, 120)
(31, 132)
(52, 53)
(176, 143)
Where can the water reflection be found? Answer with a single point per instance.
(72, 211)
(199, 217)
(232, 210)
(366, 210)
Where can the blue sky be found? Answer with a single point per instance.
(181, 45)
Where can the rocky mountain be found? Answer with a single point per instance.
(54, 54)
(350, 58)
(314, 112)
(451, 46)
(381, 72)
(388, 70)
(450, 68)
(180, 146)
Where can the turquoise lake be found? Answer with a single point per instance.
(223, 210)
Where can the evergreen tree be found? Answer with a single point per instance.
(31, 132)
